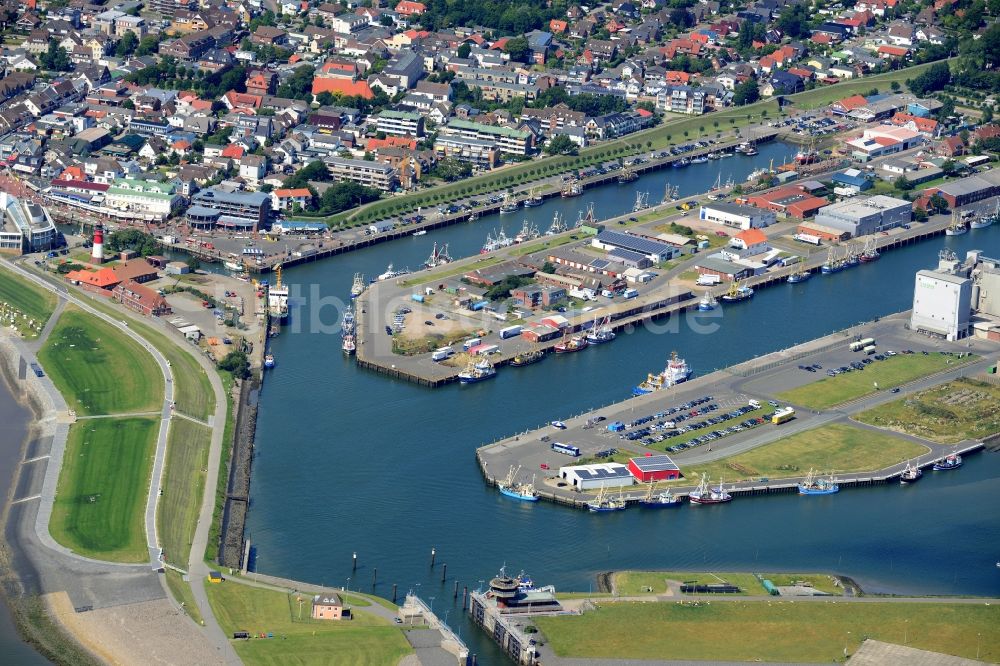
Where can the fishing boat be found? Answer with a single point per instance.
(957, 226)
(473, 216)
(477, 371)
(571, 189)
(558, 226)
(509, 205)
(799, 276)
(750, 152)
(527, 358)
(816, 485)
(233, 266)
(664, 500)
(705, 495)
(986, 220)
(707, 302)
(515, 490)
(528, 232)
(392, 273)
(670, 193)
(952, 461)
(737, 292)
(439, 257)
(533, 200)
(358, 286)
(870, 253)
(833, 264)
(675, 372)
(626, 175)
(681, 163)
(349, 346)
(641, 202)
(570, 345)
(701, 159)
(910, 474)
(600, 332)
(277, 297)
(604, 502)
(347, 323)
(269, 361)
(714, 155)
(420, 232)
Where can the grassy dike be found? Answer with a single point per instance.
(28, 299)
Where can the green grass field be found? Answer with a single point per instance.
(366, 640)
(770, 631)
(101, 497)
(838, 448)
(893, 371)
(183, 488)
(98, 369)
(34, 303)
(630, 583)
(949, 413)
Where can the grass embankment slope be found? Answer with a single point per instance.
(949, 413)
(770, 630)
(366, 640)
(99, 369)
(836, 447)
(893, 371)
(632, 583)
(183, 488)
(103, 483)
(34, 303)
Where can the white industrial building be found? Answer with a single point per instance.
(737, 216)
(593, 477)
(864, 216)
(942, 302)
(24, 226)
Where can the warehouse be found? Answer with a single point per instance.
(593, 477)
(737, 216)
(657, 251)
(968, 190)
(653, 468)
(861, 217)
(791, 201)
(942, 304)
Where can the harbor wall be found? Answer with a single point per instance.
(232, 547)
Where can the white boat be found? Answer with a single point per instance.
(957, 226)
(277, 297)
(358, 286)
(477, 371)
(604, 502)
(705, 495)
(600, 332)
(707, 302)
(349, 345)
(509, 205)
(558, 226)
(986, 220)
(420, 232)
(677, 371)
(391, 273)
(910, 474)
(439, 257)
(528, 232)
(233, 266)
(641, 202)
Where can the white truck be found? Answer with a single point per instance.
(708, 280)
(583, 294)
(442, 353)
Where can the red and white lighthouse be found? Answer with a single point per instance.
(97, 255)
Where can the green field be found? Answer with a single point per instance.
(98, 369)
(101, 497)
(837, 448)
(34, 303)
(950, 413)
(366, 640)
(183, 488)
(632, 583)
(893, 371)
(793, 632)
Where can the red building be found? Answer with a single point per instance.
(134, 296)
(653, 468)
(793, 201)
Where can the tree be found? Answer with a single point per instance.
(561, 145)
(451, 169)
(517, 48)
(464, 50)
(126, 45)
(919, 214)
(148, 45)
(903, 184)
(548, 267)
(55, 58)
(938, 203)
(746, 93)
(236, 362)
(794, 21)
(895, 86)
(681, 18)
(933, 79)
(987, 114)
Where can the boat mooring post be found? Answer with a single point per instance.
(465, 596)
(456, 590)
(355, 558)
(374, 576)
(393, 593)
(475, 660)
(444, 572)
(433, 555)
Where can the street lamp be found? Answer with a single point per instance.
(906, 627)
(348, 583)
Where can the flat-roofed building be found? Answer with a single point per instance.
(234, 210)
(791, 201)
(400, 123)
(508, 140)
(969, 189)
(657, 251)
(647, 469)
(863, 216)
(600, 475)
(736, 216)
(132, 198)
(942, 304)
(24, 226)
(481, 152)
(379, 175)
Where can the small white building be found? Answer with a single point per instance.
(737, 216)
(942, 304)
(593, 477)
(191, 332)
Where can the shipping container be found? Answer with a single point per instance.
(442, 353)
(470, 343)
(419, 298)
(510, 332)
(478, 305)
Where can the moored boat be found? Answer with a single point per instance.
(533, 200)
(420, 232)
(570, 345)
(910, 474)
(681, 163)
(358, 286)
(349, 346)
(705, 495)
(527, 358)
(269, 361)
(391, 273)
(477, 371)
(664, 500)
(675, 372)
(509, 205)
(957, 226)
(510, 487)
(701, 159)
(737, 293)
(816, 485)
(707, 302)
(604, 502)
(626, 175)
(233, 266)
(799, 276)
(439, 257)
(571, 189)
(952, 461)
(600, 332)
(986, 220)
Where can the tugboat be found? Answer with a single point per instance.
(664, 500)
(477, 371)
(737, 293)
(952, 461)
(520, 491)
(957, 226)
(704, 495)
(574, 344)
(799, 276)
(358, 286)
(527, 358)
(707, 302)
(910, 474)
(603, 502)
(814, 485)
(349, 346)
(600, 332)
(675, 372)
(269, 361)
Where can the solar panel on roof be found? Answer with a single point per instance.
(634, 243)
(600, 263)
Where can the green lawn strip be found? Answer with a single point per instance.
(181, 590)
(635, 583)
(100, 499)
(817, 97)
(836, 447)
(465, 267)
(33, 303)
(522, 250)
(192, 390)
(893, 371)
(949, 413)
(364, 640)
(183, 487)
(99, 369)
(770, 630)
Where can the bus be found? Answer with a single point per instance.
(783, 416)
(566, 449)
(870, 349)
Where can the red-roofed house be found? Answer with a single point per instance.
(339, 68)
(284, 199)
(876, 7)
(804, 74)
(892, 52)
(499, 44)
(181, 146)
(72, 173)
(99, 281)
(926, 126)
(558, 27)
(410, 8)
(677, 77)
(344, 87)
(242, 102)
(747, 243)
(848, 104)
(821, 38)
(951, 146)
(391, 142)
(134, 296)
(261, 83)
(232, 151)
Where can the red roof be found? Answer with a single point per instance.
(752, 236)
(392, 142)
(103, 278)
(555, 25)
(409, 8)
(80, 185)
(293, 192)
(853, 102)
(922, 124)
(233, 151)
(645, 113)
(344, 87)
(897, 51)
(500, 43)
